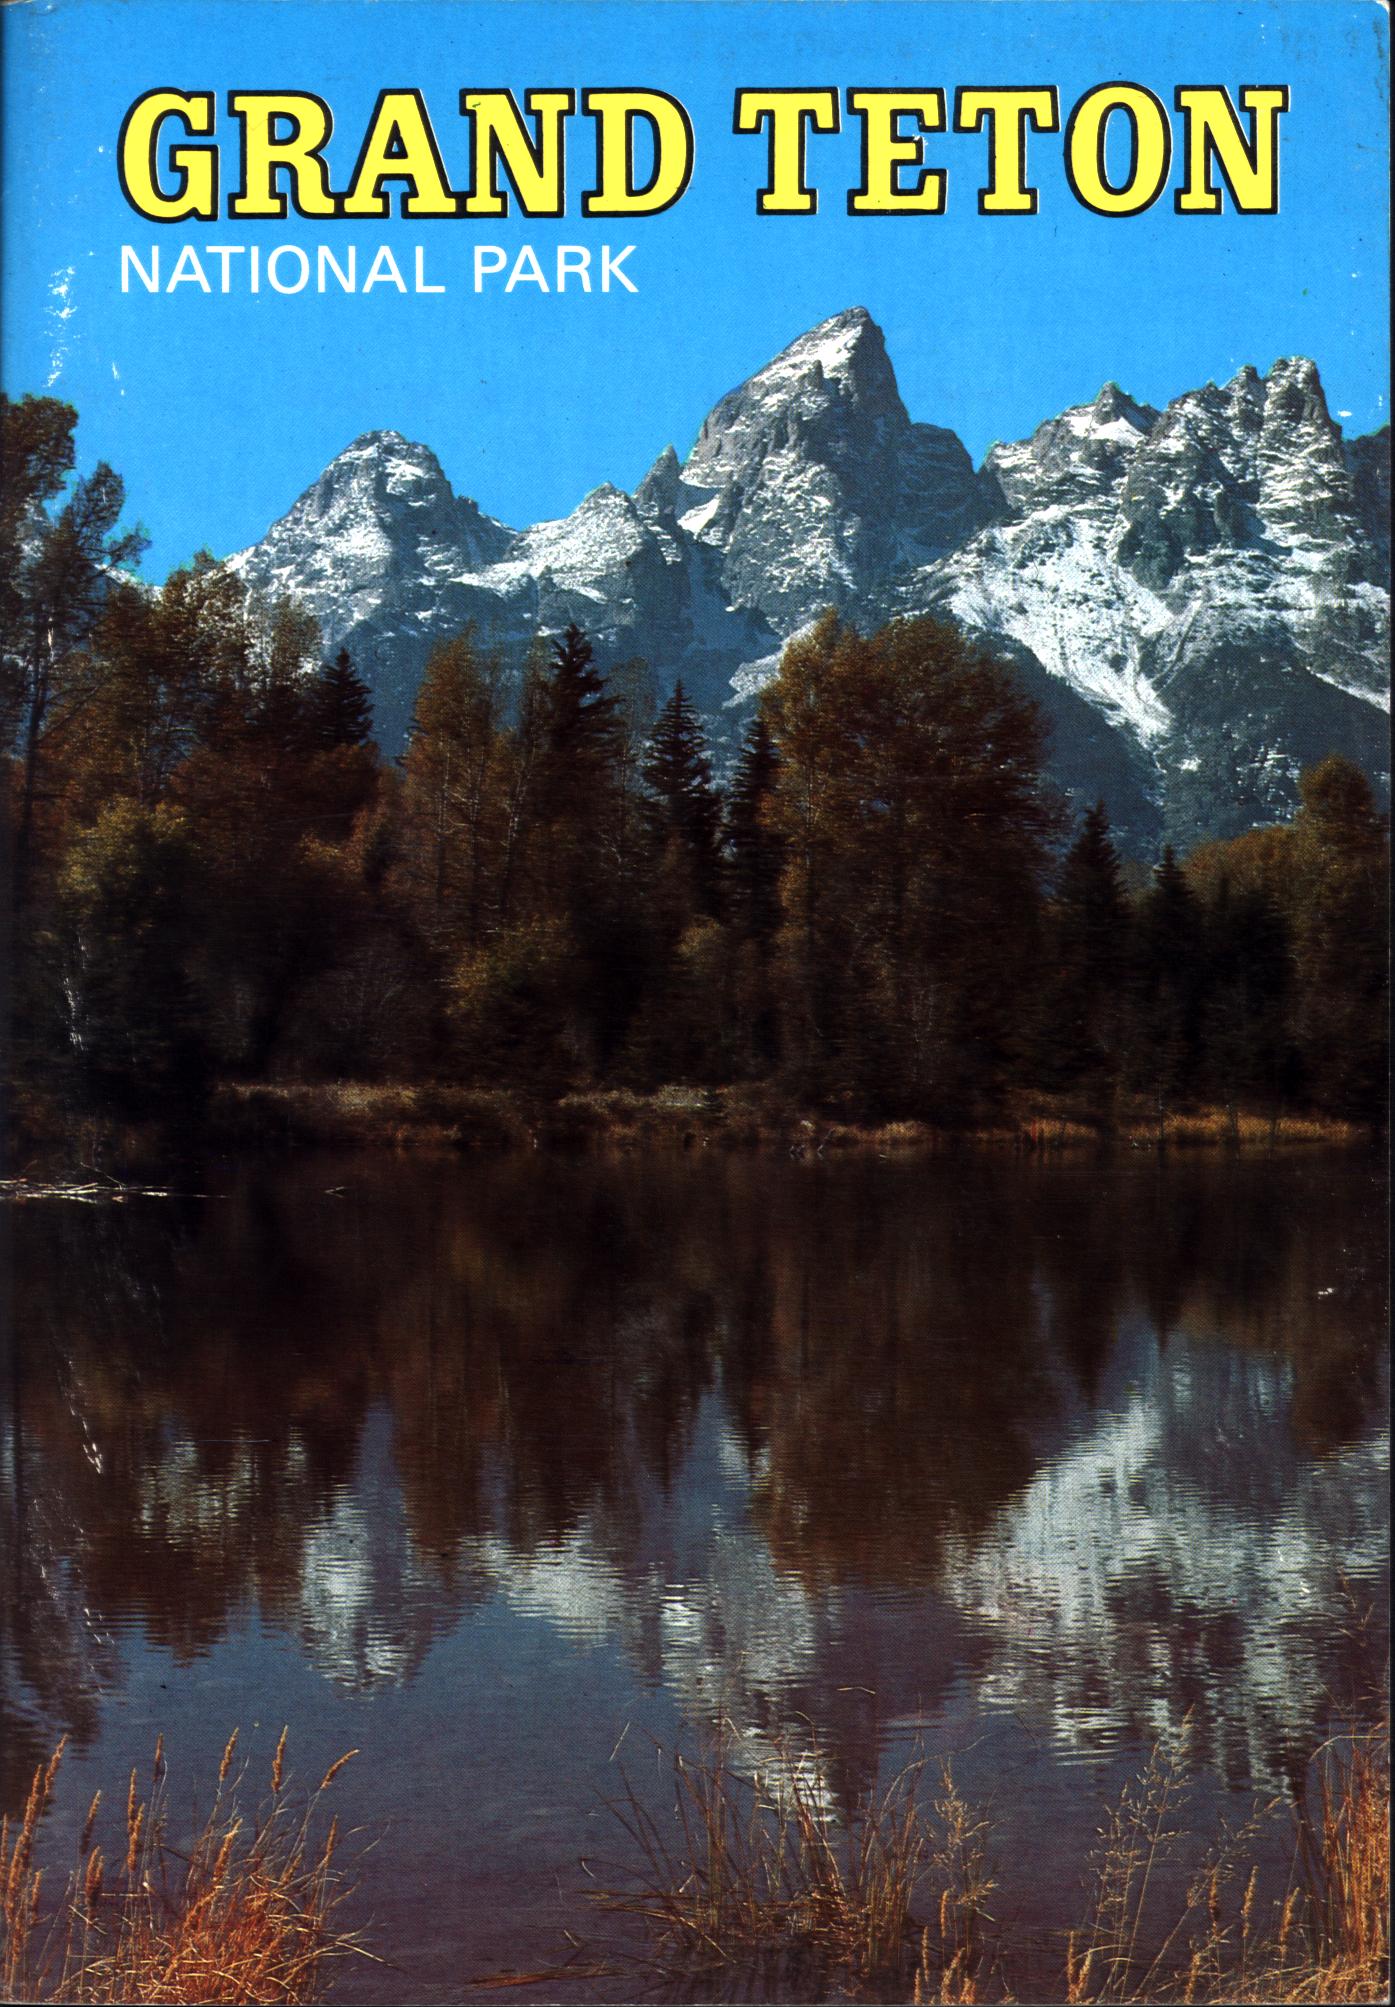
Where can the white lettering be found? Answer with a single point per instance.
(610, 268)
(151, 279)
(383, 271)
(188, 271)
(273, 262)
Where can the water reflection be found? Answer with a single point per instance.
(817, 1447)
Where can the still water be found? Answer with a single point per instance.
(505, 1472)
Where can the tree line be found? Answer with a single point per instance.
(214, 872)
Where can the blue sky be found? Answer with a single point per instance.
(219, 411)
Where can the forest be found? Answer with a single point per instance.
(215, 875)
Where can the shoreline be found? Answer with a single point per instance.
(482, 1120)
(273, 1119)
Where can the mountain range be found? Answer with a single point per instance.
(1196, 596)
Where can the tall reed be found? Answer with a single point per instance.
(244, 1912)
(759, 1888)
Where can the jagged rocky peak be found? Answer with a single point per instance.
(839, 370)
(1252, 465)
(1305, 483)
(383, 497)
(1195, 594)
(1070, 459)
(813, 483)
(1284, 411)
(595, 547)
(663, 495)
(1368, 463)
(1294, 392)
(1114, 407)
(381, 467)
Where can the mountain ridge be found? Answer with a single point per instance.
(1192, 593)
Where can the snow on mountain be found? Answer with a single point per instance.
(819, 484)
(1195, 595)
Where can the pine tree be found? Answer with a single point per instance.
(1249, 1054)
(755, 847)
(579, 882)
(1166, 1033)
(1087, 940)
(579, 727)
(683, 809)
(343, 704)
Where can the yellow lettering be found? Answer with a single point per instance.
(887, 151)
(400, 146)
(615, 113)
(298, 151)
(195, 168)
(535, 163)
(1248, 166)
(1007, 113)
(1149, 155)
(790, 115)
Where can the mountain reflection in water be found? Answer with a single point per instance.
(836, 1450)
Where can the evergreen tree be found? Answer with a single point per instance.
(1249, 1056)
(1087, 945)
(343, 704)
(755, 847)
(755, 863)
(579, 882)
(1165, 1039)
(683, 808)
(580, 732)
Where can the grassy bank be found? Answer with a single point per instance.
(244, 1910)
(755, 1892)
(433, 1115)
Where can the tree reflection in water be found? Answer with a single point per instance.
(1100, 1438)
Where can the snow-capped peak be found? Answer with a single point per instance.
(1192, 594)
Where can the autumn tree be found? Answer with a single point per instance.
(454, 791)
(909, 798)
(125, 1011)
(1340, 862)
(59, 560)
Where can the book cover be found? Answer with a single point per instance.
(695, 706)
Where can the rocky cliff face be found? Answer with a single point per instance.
(1195, 595)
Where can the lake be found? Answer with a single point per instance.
(518, 1474)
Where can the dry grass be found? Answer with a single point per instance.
(758, 1877)
(368, 1115)
(1228, 1128)
(244, 1913)
(758, 1890)
(1344, 1845)
(439, 1115)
